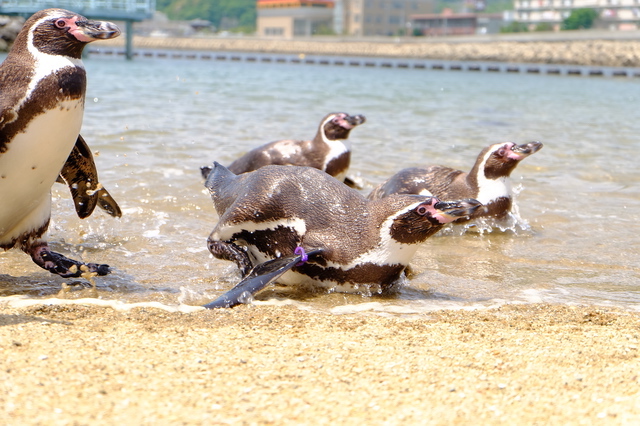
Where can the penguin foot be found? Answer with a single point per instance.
(63, 266)
(230, 251)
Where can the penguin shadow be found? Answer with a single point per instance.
(414, 294)
(400, 293)
(309, 295)
(17, 319)
(117, 285)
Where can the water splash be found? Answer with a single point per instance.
(512, 222)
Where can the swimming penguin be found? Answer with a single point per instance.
(328, 151)
(42, 92)
(488, 181)
(278, 217)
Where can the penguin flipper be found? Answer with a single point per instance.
(108, 204)
(260, 276)
(81, 175)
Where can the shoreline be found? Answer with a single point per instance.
(610, 52)
(76, 364)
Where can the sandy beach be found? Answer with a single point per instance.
(517, 364)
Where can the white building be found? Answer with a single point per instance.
(616, 15)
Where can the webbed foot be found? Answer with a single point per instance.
(61, 265)
(230, 251)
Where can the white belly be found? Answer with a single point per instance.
(31, 165)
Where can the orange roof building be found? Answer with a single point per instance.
(294, 18)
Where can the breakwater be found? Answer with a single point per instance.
(567, 57)
(612, 52)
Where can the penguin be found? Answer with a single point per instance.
(487, 181)
(300, 226)
(42, 93)
(328, 151)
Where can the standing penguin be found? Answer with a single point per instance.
(487, 181)
(42, 92)
(328, 151)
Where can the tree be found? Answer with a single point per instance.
(580, 19)
(544, 26)
(515, 27)
(215, 11)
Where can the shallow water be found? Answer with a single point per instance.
(154, 122)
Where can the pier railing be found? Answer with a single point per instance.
(129, 11)
(134, 10)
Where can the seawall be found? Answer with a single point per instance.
(619, 50)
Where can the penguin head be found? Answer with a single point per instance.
(426, 215)
(61, 32)
(500, 159)
(337, 125)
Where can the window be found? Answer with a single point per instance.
(274, 31)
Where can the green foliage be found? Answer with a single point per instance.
(323, 30)
(241, 14)
(580, 19)
(515, 27)
(491, 6)
(544, 26)
(497, 6)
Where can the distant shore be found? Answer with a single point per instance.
(618, 51)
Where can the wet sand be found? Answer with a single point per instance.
(517, 364)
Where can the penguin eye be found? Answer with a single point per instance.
(60, 23)
(422, 210)
(501, 152)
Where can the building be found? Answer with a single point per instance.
(380, 17)
(294, 18)
(616, 15)
(448, 23)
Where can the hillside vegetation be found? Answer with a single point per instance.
(238, 15)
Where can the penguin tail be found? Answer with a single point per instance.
(219, 175)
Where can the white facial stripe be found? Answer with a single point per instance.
(324, 137)
(336, 147)
(491, 189)
(45, 64)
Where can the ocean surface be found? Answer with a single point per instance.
(574, 236)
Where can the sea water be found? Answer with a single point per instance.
(152, 123)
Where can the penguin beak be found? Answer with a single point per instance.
(526, 149)
(448, 211)
(88, 30)
(355, 120)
